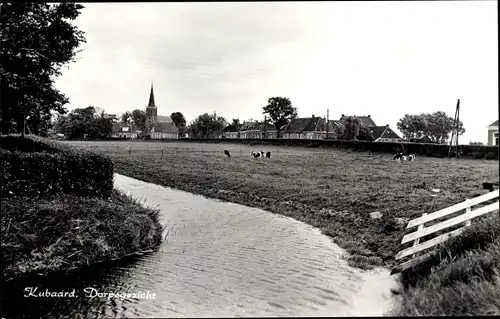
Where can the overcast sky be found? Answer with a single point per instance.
(356, 58)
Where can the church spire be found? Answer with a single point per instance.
(151, 97)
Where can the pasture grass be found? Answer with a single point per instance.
(64, 232)
(330, 189)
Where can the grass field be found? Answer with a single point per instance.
(331, 189)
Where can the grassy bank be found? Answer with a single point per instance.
(331, 189)
(66, 231)
(462, 280)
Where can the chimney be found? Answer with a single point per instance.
(368, 115)
(312, 116)
(387, 125)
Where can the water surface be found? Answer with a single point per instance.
(224, 259)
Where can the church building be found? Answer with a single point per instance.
(157, 126)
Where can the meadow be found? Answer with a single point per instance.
(331, 189)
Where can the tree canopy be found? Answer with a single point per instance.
(280, 111)
(351, 128)
(179, 121)
(85, 122)
(207, 126)
(437, 126)
(37, 40)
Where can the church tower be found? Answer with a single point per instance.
(151, 109)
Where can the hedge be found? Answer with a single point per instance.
(433, 150)
(31, 144)
(55, 170)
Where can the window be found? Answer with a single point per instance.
(495, 138)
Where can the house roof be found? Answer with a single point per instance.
(307, 124)
(121, 128)
(494, 123)
(365, 120)
(259, 126)
(164, 119)
(164, 127)
(231, 128)
(246, 125)
(383, 132)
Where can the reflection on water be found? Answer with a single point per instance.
(219, 259)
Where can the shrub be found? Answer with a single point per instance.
(30, 144)
(51, 168)
(68, 231)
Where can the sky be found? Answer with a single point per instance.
(384, 59)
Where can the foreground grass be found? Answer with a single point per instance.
(463, 279)
(330, 189)
(67, 232)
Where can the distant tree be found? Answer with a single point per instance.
(139, 119)
(86, 121)
(37, 40)
(365, 134)
(476, 143)
(207, 126)
(280, 111)
(126, 117)
(180, 122)
(437, 126)
(349, 128)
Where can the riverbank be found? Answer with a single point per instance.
(330, 189)
(61, 233)
(60, 211)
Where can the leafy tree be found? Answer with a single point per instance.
(139, 119)
(86, 121)
(349, 128)
(475, 143)
(365, 134)
(126, 117)
(37, 40)
(280, 111)
(179, 121)
(437, 126)
(207, 126)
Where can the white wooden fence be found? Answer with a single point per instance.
(425, 231)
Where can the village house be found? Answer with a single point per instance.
(122, 130)
(307, 128)
(385, 134)
(493, 134)
(261, 130)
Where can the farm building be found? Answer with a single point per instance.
(307, 128)
(157, 126)
(385, 134)
(121, 130)
(231, 131)
(493, 133)
(261, 130)
(244, 131)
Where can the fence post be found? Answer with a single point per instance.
(467, 213)
(129, 151)
(417, 241)
(162, 152)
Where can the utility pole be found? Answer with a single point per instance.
(457, 127)
(327, 121)
(265, 126)
(454, 132)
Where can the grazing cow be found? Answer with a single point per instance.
(256, 154)
(398, 156)
(226, 152)
(268, 154)
(411, 157)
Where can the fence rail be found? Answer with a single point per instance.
(423, 231)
